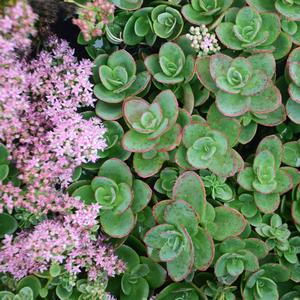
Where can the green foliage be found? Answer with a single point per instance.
(265, 178)
(205, 11)
(167, 22)
(252, 31)
(170, 65)
(206, 148)
(241, 84)
(120, 195)
(141, 274)
(116, 78)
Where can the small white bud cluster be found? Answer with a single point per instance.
(202, 41)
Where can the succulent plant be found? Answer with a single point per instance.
(205, 148)
(262, 284)
(245, 203)
(293, 104)
(216, 187)
(165, 183)
(241, 84)
(141, 275)
(170, 66)
(117, 79)
(153, 131)
(289, 9)
(24, 294)
(292, 28)
(238, 256)
(120, 195)
(139, 28)
(128, 4)
(276, 233)
(265, 178)
(167, 22)
(175, 291)
(252, 31)
(215, 290)
(113, 138)
(200, 12)
(178, 239)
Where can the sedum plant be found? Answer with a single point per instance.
(187, 225)
(200, 12)
(167, 22)
(120, 196)
(238, 256)
(170, 66)
(117, 79)
(216, 187)
(153, 131)
(288, 9)
(190, 187)
(241, 84)
(265, 177)
(139, 28)
(141, 275)
(166, 181)
(128, 4)
(263, 283)
(252, 31)
(205, 148)
(293, 104)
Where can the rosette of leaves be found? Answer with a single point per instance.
(291, 154)
(165, 183)
(291, 295)
(113, 136)
(216, 187)
(24, 294)
(141, 275)
(128, 4)
(243, 129)
(262, 284)
(175, 291)
(240, 84)
(205, 148)
(120, 195)
(293, 68)
(252, 31)
(174, 240)
(245, 203)
(292, 28)
(265, 178)
(237, 256)
(287, 8)
(153, 131)
(167, 22)
(187, 225)
(117, 78)
(275, 232)
(170, 65)
(216, 291)
(200, 12)
(139, 28)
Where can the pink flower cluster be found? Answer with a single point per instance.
(40, 125)
(66, 242)
(17, 25)
(92, 17)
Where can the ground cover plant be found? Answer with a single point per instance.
(150, 150)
